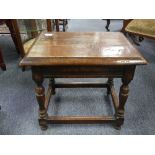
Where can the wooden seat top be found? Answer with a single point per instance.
(82, 48)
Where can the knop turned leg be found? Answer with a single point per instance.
(123, 95)
(40, 95)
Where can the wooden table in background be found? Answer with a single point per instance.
(82, 55)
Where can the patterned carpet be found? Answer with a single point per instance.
(19, 107)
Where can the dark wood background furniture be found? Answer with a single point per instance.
(15, 37)
(2, 64)
(32, 28)
(12, 28)
(27, 31)
(107, 25)
(82, 55)
(59, 22)
(125, 23)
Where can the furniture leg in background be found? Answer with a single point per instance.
(14, 31)
(57, 25)
(125, 23)
(62, 22)
(107, 26)
(49, 25)
(15, 34)
(2, 64)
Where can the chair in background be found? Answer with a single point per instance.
(141, 28)
(125, 23)
(7, 27)
(24, 31)
(27, 31)
(11, 30)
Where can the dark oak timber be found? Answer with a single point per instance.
(40, 95)
(2, 64)
(114, 98)
(81, 85)
(123, 94)
(82, 55)
(80, 119)
(48, 97)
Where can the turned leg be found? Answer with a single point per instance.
(123, 95)
(110, 83)
(52, 84)
(40, 95)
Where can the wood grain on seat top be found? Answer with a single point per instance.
(82, 48)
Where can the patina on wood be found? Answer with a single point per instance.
(82, 55)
